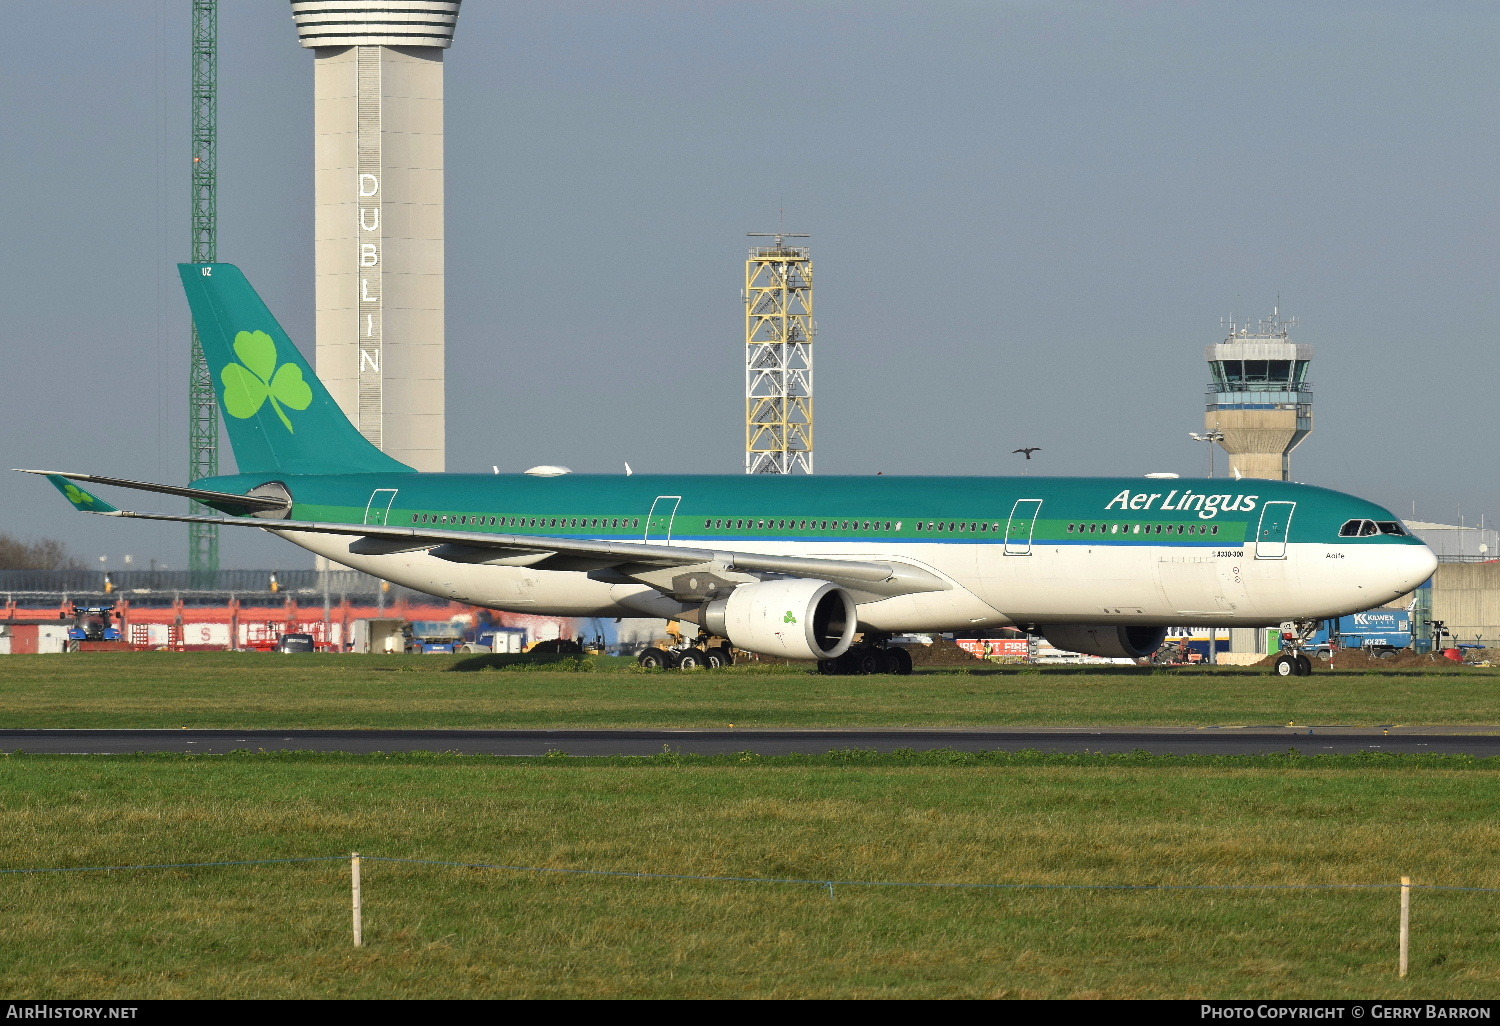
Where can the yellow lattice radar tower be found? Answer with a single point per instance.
(778, 358)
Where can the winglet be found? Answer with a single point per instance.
(81, 500)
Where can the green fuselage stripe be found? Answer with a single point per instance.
(726, 509)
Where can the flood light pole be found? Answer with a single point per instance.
(1211, 437)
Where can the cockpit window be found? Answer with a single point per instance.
(1370, 528)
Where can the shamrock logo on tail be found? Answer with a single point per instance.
(78, 496)
(256, 378)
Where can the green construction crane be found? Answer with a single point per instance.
(203, 408)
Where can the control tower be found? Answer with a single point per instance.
(378, 220)
(1260, 401)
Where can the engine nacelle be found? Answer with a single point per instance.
(1113, 642)
(792, 619)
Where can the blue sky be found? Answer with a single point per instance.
(1028, 219)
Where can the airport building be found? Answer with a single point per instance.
(378, 219)
(248, 610)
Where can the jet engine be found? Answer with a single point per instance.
(793, 618)
(1114, 642)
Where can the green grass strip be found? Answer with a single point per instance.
(901, 757)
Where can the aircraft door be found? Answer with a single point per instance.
(659, 520)
(1270, 536)
(378, 510)
(1021, 526)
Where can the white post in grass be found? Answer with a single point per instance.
(1405, 922)
(359, 928)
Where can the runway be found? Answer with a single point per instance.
(1482, 741)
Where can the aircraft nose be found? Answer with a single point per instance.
(1411, 566)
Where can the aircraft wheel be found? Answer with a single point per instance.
(718, 656)
(830, 667)
(850, 662)
(653, 659)
(692, 659)
(1304, 665)
(1286, 666)
(900, 660)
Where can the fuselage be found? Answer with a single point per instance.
(1015, 550)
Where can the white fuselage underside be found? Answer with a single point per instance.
(1075, 583)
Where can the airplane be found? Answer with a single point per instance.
(786, 566)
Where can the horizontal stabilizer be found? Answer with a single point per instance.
(248, 503)
(81, 500)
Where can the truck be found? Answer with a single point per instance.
(1377, 632)
(434, 637)
(503, 640)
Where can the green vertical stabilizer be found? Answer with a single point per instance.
(277, 413)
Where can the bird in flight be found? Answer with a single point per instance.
(1028, 451)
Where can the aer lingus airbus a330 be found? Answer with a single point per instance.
(785, 566)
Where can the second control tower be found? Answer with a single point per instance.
(378, 146)
(1260, 401)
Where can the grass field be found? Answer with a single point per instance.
(283, 930)
(244, 690)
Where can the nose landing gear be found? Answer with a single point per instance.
(1293, 662)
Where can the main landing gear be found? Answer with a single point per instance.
(1293, 662)
(868, 657)
(692, 657)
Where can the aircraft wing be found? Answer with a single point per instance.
(659, 566)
